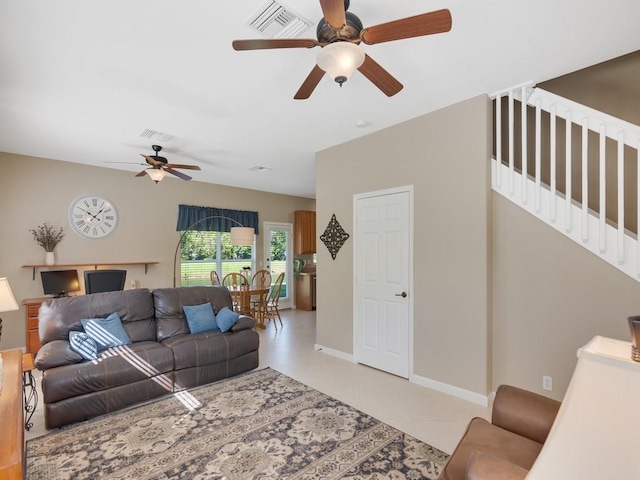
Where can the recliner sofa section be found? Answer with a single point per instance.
(163, 357)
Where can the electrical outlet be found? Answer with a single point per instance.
(547, 383)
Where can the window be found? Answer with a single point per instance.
(202, 252)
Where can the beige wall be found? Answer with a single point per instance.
(34, 191)
(551, 296)
(444, 156)
(499, 296)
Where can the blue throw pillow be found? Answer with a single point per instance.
(84, 345)
(226, 319)
(200, 318)
(107, 332)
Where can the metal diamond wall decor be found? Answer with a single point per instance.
(334, 236)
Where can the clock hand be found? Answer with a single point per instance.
(87, 211)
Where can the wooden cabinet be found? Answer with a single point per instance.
(305, 291)
(304, 232)
(31, 308)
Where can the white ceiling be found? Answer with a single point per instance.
(81, 79)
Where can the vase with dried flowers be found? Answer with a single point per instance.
(47, 237)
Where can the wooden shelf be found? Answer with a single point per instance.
(95, 265)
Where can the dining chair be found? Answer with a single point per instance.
(259, 310)
(235, 280)
(260, 279)
(273, 300)
(215, 279)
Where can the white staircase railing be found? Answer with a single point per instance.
(533, 184)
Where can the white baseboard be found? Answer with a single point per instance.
(418, 380)
(334, 353)
(451, 390)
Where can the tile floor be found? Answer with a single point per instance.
(430, 416)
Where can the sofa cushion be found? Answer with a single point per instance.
(106, 332)
(59, 316)
(168, 303)
(482, 436)
(56, 354)
(226, 319)
(84, 345)
(210, 348)
(200, 318)
(114, 367)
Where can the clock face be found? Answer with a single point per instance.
(93, 216)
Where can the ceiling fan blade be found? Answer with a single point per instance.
(425, 24)
(333, 12)
(186, 167)
(177, 174)
(380, 77)
(261, 44)
(310, 83)
(151, 161)
(142, 173)
(127, 163)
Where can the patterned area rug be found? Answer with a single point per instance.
(258, 425)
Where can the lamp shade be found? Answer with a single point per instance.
(7, 300)
(340, 59)
(242, 236)
(156, 174)
(598, 418)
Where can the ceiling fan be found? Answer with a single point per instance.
(340, 33)
(160, 166)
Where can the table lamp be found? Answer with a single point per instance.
(595, 433)
(7, 300)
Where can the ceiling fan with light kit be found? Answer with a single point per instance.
(160, 166)
(339, 34)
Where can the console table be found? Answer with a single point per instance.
(11, 416)
(29, 389)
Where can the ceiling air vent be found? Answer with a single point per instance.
(157, 136)
(274, 20)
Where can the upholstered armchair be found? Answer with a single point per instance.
(506, 447)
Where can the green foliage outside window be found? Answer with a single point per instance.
(203, 246)
(278, 245)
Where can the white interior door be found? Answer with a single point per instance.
(382, 326)
(278, 257)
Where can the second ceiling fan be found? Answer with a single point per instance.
(340, 33)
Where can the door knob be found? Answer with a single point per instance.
(403, 294)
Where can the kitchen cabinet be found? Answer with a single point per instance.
(305, 291)
(304, 232)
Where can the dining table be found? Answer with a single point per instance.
(242, 295)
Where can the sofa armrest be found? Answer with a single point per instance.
(244, 323)
(482, 466)
(56, 354)
(523, 412)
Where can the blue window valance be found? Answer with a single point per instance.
(212, 219)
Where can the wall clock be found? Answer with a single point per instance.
(92, 216)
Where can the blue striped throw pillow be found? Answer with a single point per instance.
(84, 345)
(107, 332)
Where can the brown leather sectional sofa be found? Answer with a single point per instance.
(507, 447)
(163, 357)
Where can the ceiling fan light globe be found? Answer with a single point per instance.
(156, 174)
(340, 60)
